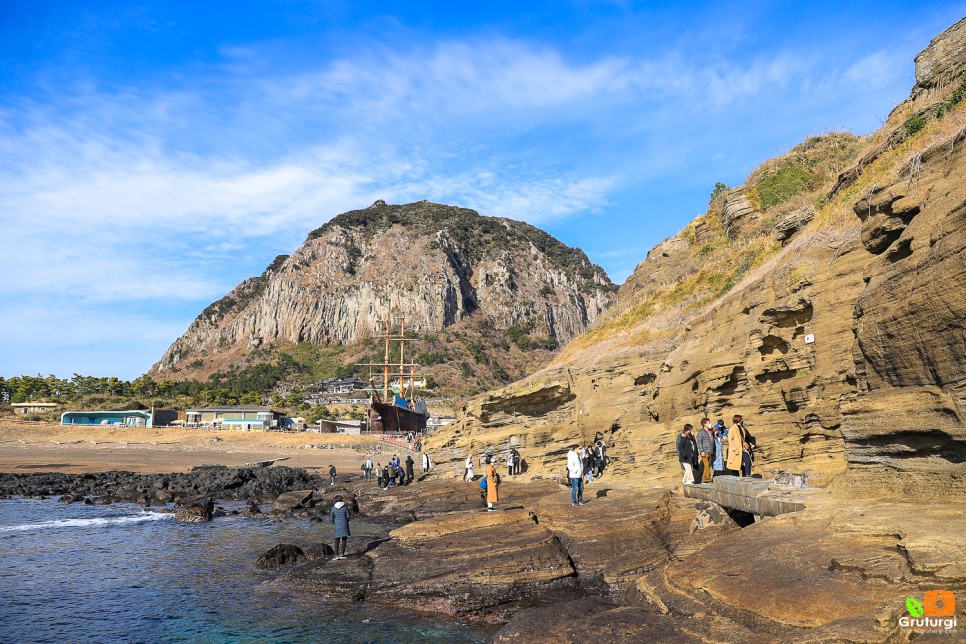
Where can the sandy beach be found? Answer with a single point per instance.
(54, 448)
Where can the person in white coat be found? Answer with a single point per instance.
(468, 476)
(575, 471)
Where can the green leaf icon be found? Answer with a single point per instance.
(914, 606)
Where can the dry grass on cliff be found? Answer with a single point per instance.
(893, 165)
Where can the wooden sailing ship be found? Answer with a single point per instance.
(395, 412)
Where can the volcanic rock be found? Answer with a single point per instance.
(281, 555)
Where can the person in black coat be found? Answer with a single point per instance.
(687, 453)
(410, 475)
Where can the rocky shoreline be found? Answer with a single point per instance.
(260, 485)
(636, 563)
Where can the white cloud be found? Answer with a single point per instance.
(149, 194)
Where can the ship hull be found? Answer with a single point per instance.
(388, 418)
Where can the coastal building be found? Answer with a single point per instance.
(127, 418)
(232, 417)
(340, 426)
(436, 421)
(341, 385)
(33, 407)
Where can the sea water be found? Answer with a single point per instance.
(122, 573)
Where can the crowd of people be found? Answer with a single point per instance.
(715, 450)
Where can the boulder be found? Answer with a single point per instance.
(200, 511)
(293, 501)
(318, 551)
(281, 555)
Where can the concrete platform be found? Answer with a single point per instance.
(756, 496)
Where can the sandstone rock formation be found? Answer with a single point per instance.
(843, 346)
(436, 265)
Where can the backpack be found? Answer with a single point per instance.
(483, 482)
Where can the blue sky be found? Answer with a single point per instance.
(157, 153)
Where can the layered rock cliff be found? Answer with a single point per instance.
(823, 300)
(439, 266)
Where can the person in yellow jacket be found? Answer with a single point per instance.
(492, 485)
(738, 448)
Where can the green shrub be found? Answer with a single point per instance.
(913, 124)
(786, 182)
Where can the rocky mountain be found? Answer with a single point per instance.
(824, 300)
(498, 288)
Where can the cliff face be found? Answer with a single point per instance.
(439, 266)
(823, 300)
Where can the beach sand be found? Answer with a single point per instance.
(53, 448)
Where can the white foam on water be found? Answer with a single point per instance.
(88, 523)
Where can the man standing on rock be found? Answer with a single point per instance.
(706, 450)
(687, 453)
(331, 474)
(410, 475)
(575, 471)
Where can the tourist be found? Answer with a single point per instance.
(469, 475)
(331, 474)
(426, 462)
(575, 472)
(367, 469)
(380, 480)
(418, 447)
(589, 463)
(706, 450)
(718, 466)
(687, 453)
(392, 473)
(738, 448)
(516, 461)
(601, 458)
(340, 519)
(385, 477)
(492, 485)
(409, 469)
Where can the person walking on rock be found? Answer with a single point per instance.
(492, 485)
(367, 469)
(331, 474)
(468, 475)
(575, 472)
(706, 450)
(340, 519)
(516, 462)
(687, 453)
(738, 448)
(426, 462)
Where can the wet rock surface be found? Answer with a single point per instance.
(638, 564)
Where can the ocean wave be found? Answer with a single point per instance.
(87, 523)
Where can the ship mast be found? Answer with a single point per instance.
(402, 352)
(385, 376)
